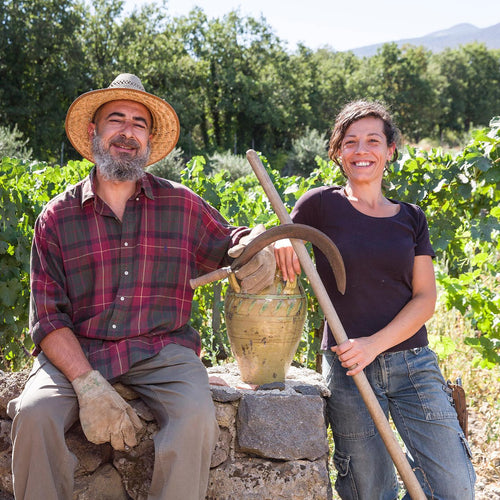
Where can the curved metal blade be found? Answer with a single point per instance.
(299, 232)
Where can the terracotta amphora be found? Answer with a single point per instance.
(265, 329)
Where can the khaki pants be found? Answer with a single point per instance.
(174, 384)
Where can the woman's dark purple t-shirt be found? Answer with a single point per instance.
(378, 254)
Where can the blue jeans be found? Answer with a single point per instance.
(408, 385)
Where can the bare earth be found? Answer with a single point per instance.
(486, 454)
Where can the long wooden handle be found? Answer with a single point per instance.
(371, 402)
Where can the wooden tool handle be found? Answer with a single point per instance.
(218, 274)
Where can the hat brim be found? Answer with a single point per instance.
(165, 131)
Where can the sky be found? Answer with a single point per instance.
(349, 24)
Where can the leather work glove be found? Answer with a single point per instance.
(104, 414)
(258, 273)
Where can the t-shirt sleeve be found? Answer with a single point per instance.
(307, 208)
(423, 246)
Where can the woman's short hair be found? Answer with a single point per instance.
(354, 111)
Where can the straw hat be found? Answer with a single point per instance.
(165, 130)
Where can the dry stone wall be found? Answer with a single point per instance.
(272, 444)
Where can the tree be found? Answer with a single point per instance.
(329, 73)
(305, 149)
(398, 77)
(13, 145)
(41, 69)
(483, 84)
(448, 71)
(467, 85)
(102, 42)
(238, 62)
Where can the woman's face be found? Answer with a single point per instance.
(364, 150)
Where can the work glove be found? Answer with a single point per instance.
(104, 414)
(258, 273)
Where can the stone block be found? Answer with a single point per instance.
(283, 427)
(104, 484)
(260, 479)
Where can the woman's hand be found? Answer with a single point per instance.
(286, 259)
(356, 354)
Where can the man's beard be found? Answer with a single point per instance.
(122, 168)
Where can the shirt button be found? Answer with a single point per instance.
(114, 327)
(122, 298)
(125, 244)
(126, 273)
(137, 199)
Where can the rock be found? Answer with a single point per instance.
(284, 427)
(11, 385)
(272, 386)
(5, 457)
(260, 479)
(225, 394)
(307, 390)
(90, 456)
(104, 484)
(222, 449)
(136, 468)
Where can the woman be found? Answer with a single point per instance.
(390, 294)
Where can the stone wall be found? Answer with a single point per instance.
(272, 444)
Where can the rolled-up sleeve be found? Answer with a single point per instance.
(50, 307)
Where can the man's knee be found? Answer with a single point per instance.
(32, 412)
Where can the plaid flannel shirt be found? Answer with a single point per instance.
(123, 286)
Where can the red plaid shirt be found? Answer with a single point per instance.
(123, 287)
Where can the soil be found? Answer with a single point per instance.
(486, 452)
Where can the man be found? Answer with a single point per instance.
(110, 301)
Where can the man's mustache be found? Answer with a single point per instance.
(126, 143)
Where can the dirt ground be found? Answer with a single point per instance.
(486, 453)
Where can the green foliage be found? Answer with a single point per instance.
(24, 190)
(302, 160)
(13, 144)
(460, 194)
(400, 78)
(170, 167)
(236, 165)
(42, 68)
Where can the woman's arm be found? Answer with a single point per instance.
(360, 352)
(286, 259)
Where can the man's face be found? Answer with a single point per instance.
(120, 140)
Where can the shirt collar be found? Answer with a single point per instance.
(88, 191)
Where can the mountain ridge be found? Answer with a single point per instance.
(459, 34)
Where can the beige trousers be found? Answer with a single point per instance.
(174, 384)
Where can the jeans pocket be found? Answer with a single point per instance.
(465, 444)
(341, 462)
(429, 384)
(344, 483)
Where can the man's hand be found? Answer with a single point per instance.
(104, 414)
(258, 273)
